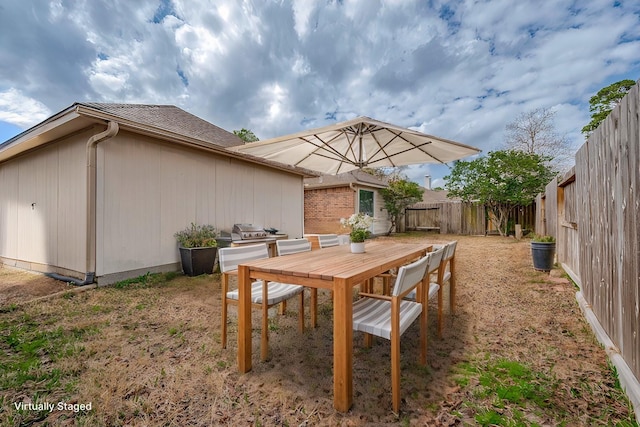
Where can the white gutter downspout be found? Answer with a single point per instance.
(112, 130)
(90, 261)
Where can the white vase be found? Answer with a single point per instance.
(357, 248)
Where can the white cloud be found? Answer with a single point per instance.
(20, 110)
(460, 70)
(302, 11)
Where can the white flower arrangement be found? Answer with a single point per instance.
(359, 224)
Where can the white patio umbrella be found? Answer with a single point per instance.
(357, 143)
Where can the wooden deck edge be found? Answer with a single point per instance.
(628, 381)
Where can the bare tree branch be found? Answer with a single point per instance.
(534, 132)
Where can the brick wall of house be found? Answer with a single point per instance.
(323, 208)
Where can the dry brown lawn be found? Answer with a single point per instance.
(516, 352)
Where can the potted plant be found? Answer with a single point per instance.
(543, 250)
(198, 249)
(359, 224)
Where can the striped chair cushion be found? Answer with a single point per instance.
(276, 292)
(373, 316)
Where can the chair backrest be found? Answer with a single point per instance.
(410, 275)
(292, 246)
(435, 258)
(229, 258)
(327, 240)
(344, 239)
(451, 250)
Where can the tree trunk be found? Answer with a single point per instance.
(392, 227)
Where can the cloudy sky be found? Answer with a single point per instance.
(458, 69)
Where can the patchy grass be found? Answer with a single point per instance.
(146, 351)
(505, 390)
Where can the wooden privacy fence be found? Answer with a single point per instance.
(446, 217)
(593, 212)
(457, 217)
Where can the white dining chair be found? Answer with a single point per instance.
(262, 296)
(294, 246)
(328, 240)
(446, 275)
(434, 288)
(389, 316)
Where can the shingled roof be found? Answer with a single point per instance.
(169, 118)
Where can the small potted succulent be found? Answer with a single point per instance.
(359, 224)
(543, 250)
(198, 249)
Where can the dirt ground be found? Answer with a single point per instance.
(17, 286)
(156, 358)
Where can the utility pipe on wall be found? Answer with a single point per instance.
(110, 132)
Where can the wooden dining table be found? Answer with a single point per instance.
(335, 269)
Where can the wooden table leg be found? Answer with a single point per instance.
(244, 320)
(342, 345)
(314, 307)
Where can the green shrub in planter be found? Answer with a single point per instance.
(197, 236)
(543, 239)
(197, 245)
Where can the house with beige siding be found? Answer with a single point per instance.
(97, 191)
(330, 197)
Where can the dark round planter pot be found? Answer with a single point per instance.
(543, 254)
(197, 261)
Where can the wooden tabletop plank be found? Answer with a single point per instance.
(338, 261)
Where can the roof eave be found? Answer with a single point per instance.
(52, 129)
(174, 137)
(39, 134)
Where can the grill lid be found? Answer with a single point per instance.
(247, 231)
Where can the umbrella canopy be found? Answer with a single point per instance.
(357, 143)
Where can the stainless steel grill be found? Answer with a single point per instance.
(246, 232)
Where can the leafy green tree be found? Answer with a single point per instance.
(246, 135)
(502, 180)
(399, 194)
(604, 101)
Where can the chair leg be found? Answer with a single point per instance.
(264, 339)
(224, 312)
(386, 285)
(395, 371)
(301, 315)
(224, 322)
(440, 303)
(366, 286)
(368, 340)
(314, 307)
(283, 308)
(424, 316)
